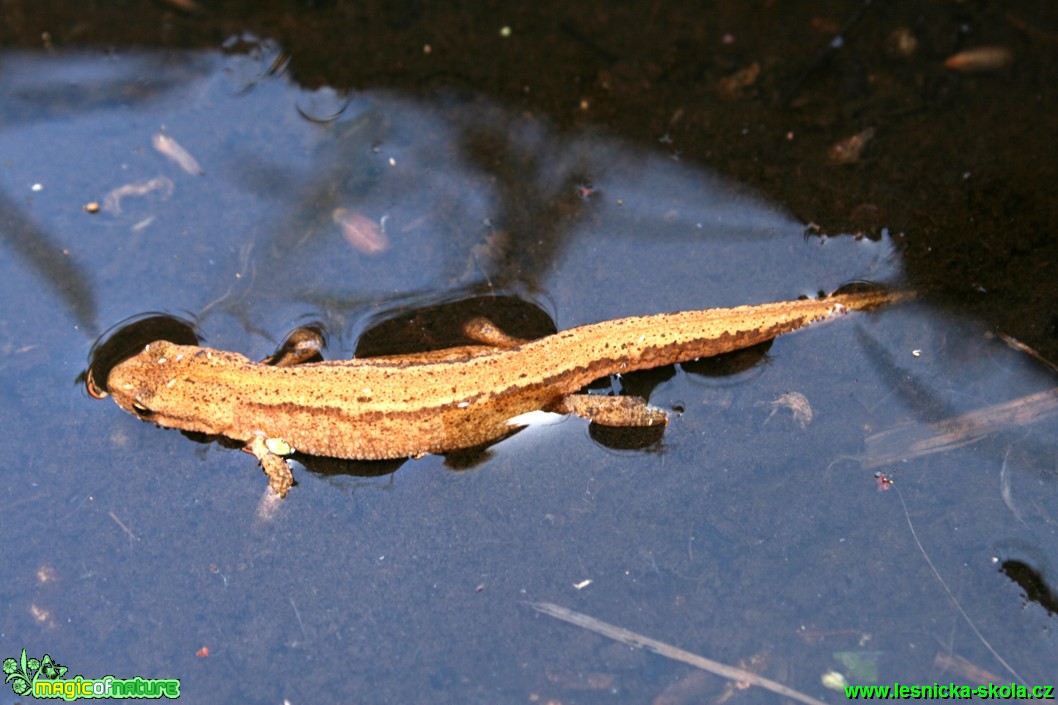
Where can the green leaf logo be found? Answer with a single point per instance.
(24, 672)
(10, 665)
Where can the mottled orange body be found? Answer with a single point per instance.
(406, 406)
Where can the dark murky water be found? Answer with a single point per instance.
(742, 535)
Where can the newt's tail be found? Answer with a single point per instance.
(643, 342)
(865, 296)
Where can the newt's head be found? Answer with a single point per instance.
(169, 385)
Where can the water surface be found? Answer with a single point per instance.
(741, 535)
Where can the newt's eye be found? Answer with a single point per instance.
(142, 411)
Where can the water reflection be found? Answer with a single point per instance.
(68, 88)
(1037, 588)
(393, 196)
(733, 535)
(42, 254)
(127, 338)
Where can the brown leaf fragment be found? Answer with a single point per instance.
(734, 85)
(692, 688)
(850, 149)
(362, 233)
(980, 59)
(957, 665)
(901, 42)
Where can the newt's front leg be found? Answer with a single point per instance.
(301, 346)
(270, 451)
(610, 411)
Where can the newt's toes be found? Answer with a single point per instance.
(281, 485)
(280, 478)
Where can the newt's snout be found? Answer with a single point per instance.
(157, 385)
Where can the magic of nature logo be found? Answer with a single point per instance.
(43, 678)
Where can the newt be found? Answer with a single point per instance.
(406, 406)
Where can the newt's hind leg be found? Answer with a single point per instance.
(302, 345)
(610, 411)
(482, 330)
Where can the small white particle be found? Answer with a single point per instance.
(916, 353)
(170, 383)
(162, 361)
(641, 339)
(582, 584)
(36, 187)
(463, 404)
(392, 161)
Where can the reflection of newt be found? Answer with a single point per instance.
(410, 405)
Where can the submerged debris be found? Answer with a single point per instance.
(966, 670)
(640, 641)
(798, 405)
(913, 440)
(980, 59)
(850, 149)
(112, 201)
(834, 680)
(171, 149)
(361, 232)
(901, 42)
(1021, 347)
(732, 86)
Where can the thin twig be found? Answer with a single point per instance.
(304, 634)
(124, 528)
(835, 43)
(661, 648)
(951, 596)
(913, 440)
(1031, 352)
